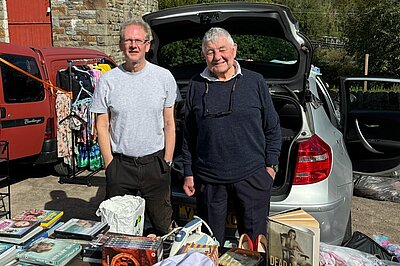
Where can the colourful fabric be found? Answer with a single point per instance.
(64, 135)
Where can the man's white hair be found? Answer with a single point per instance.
(214, 34)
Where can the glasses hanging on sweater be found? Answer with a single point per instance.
(220, 113)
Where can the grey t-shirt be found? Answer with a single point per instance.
(135, 101)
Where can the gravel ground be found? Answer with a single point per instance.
(373, 217)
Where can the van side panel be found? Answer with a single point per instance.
(24, 101)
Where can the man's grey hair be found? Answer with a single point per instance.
(137, 21)
(214, 34)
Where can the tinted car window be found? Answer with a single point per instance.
(374, 95)
(325, 94)
(270, 56)
(18, 87)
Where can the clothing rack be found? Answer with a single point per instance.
(75, 176)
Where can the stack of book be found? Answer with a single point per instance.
(80, 229)
(132, 250)
(92, 252)
(18, 232)
(8, 253)
(47, 218)
(47, 251)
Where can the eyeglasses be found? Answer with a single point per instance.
(136, 41)
(221, 113)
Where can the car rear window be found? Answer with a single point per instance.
(272, 57)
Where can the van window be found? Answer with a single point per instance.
(18, 87)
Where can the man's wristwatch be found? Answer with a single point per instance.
(275, 167)
(169, 163)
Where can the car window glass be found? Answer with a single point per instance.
(323, 99)
(18, 87)
(328, 96)
(373, 95)
(270, 56)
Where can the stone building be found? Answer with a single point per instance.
(83, 23)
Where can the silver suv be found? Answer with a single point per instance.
(315, 170)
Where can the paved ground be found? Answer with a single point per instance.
(38, 188)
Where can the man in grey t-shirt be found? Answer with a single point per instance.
(136, 130)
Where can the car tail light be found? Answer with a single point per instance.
(49, 133)
(314, 161)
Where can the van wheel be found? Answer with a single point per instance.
(349, 231)
(62, 169)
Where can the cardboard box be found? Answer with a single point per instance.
(132, 250)
(208, 250)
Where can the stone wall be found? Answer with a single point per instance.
(4, 36)
(95, 23)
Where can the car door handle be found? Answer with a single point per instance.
(364, 142)
(3, 112)
(372, 126)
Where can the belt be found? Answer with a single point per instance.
(140, 160)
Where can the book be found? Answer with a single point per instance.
(208, 250)
(16, 262)
(45, 233)
(47, 251)
(240, 257)
(132, 250)
(16, 228)
(5, 248)
(8, 252)
(92, 252)
(294, 238)
(80, 229)
(46, 217)
(22, 240)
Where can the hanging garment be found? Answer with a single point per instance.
(64, 136)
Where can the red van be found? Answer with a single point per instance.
(27, 106)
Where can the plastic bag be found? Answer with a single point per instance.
(331, 255)
(364, 243)
(124, 214)
(377, 187)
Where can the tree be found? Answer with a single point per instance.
(313, 21)
(374, 29)
(334, 63)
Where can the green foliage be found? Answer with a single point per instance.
(181, 53)
(311, 15)
(261, 48)
(335, 63)
(374, 29)
(250, 48)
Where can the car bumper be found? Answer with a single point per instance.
(332, 216)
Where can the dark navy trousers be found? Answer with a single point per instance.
(250, 199)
